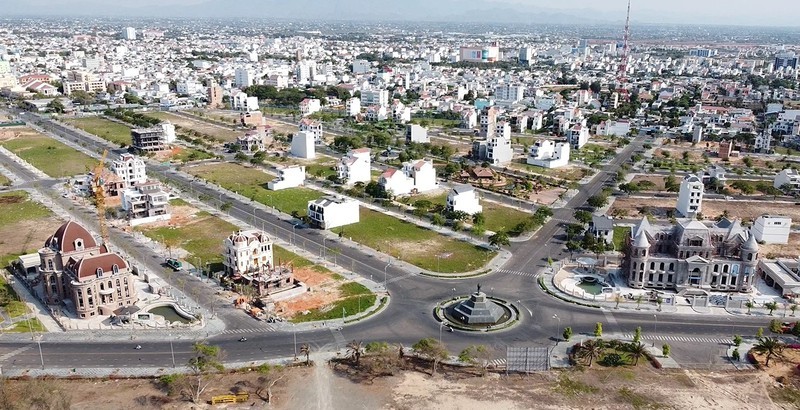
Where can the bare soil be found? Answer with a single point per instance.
(747, 211)
(410, 386)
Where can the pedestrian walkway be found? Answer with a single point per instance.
(267, 328)
(518, 273)
(686, 339)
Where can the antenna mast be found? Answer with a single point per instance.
(622, 75)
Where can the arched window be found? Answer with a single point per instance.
(672, 266)
(716, 268)
(724, 268)
(115, 268)
(79, 244)
(661, 266)
(749, 256)
(652, 265)
(102, 287)
(99, 272)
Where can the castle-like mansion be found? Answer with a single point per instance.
(720, 256)
(83, 275)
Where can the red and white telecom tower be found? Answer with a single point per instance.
(622, 74)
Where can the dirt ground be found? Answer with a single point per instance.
(319, 387)
(26, 235)
(747, 211)
(324, 290)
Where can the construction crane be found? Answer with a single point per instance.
(622, 74)
(99, 190)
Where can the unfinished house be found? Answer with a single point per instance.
(146, 203)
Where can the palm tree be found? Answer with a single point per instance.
(771, 306)
(749, 305)
(636, 350)
(769, 346)
(354, 351)
(591, 350)
(306, 350)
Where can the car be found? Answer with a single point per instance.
(174, 264)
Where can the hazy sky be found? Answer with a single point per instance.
(737, 12)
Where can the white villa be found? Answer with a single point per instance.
(303, 145)
(414, 177)
(464, 198)
(331, 212)
(355, 167)
(130, 169)
(247, 251)
(548, 154)
(288, 177)
(310, 106)
(312, 126)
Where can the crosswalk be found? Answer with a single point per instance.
(686, 339)
(516, 272)
(267, 328)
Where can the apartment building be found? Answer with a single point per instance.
(312, 126)
(153, 139)
(690, 196)
(332, 212)
(417, 134)
(463, 198)
(146, 203)
(355, 167)
(130, 169)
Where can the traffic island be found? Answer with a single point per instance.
(477, 313)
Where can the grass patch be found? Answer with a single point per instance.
(178, 202)
(201, 238)
(191, 154)
(199, 126)
(282, 256)
(572, 388)
(349, 306)
(639, 401)
(785, 394)
(16, 308)
(321, 170)
(420, 247)
(4, 181)
(620, 238)
(17, 206)
(27, 325)
(51, 157)
(502, 218)
(105, 129)
(251, 183)
(353, 289)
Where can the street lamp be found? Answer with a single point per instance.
(441, 325)
(293, 233)
(294, 333)
(384, 273)
(171, 350)
(39, 343)
(655, 328)
(559, 326)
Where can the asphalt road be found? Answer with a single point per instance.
(408, 317)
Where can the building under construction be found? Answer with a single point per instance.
(153, 139)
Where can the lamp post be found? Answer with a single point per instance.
(171, 351)
(41, 356)
(655, 328)
(559, 326)
(294, 333)
(441, 325)
(293, 233)
(384, 273)
(324, 248)
(343, 312)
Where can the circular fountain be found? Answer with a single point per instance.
(477, 312)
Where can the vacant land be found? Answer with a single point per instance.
(50, 156)
(502, 218)
(24, 225)
(746, 210)
(346, 299)
(4, 181)
(104, 128)
(217, 131)
(200, 235)
(252, 183)
(417, 246)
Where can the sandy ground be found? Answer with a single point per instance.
(747, 211)
(318, 387)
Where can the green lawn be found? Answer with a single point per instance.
(104, 128)
(27, 326)
(621, 234)
(321, 170)
(16, 308)
(502, 218)
(192, 154)
(17, 206)
(355, 299)
(9, 300)
(420, 247)
(50, 156)
(4, 181)
(283, 256)
(202, 238)
(252, 183)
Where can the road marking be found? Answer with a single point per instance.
(15, 352)
(399, 278)
(338, 337)
(611, 319)
(685, 339)
(516, 272)
(249, 330)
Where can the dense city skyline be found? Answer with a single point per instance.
(736, 12)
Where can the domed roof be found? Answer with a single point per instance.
(750, 244)
(641, 241)
(68, 235)
(88, 265)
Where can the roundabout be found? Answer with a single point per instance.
(477, 313)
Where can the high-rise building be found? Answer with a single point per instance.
(129, 33)
(690, 196)
(244, 77)
(214, 96)
(786, 60)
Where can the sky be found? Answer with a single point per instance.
(727, 12)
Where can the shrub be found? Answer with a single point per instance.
(665, 350)
(736, 355)
(775, 326)
(567, 333)
(613, 359)
(598, 329)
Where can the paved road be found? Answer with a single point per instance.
(408, 317)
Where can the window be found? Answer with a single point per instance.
(99, 272)
(50, 265)
(115, 268)
(661, 266)
(652, 265)
(671, 266)
(725, 268)
(716, 268)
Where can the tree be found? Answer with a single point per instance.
(55, 106)
(665, 350)
(598, 201)
(598, 329)
(567, 333)
(793, 308)
(431, 349)
(206, 359)
(438, 219)
(737, 340)
(749, 305)
(637, 334)
(354, 351)
(499, 239)
(82, 97)
(639, 300)
(736, 356)
(479, 219)
(305, 349)
(583, 217)
(266, 383)
(591, 350)
(476, 354)
(637, 350)
(760, 332)
(770, 347)
(771, 306)
(478, 230)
